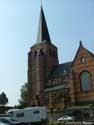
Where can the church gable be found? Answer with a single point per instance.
(83, 57)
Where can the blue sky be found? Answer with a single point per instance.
(69, 21)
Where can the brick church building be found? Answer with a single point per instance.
(57, 85)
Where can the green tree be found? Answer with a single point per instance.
(23, 96)
(60, 95)
(3, 99)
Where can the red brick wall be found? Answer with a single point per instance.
(77, 94)
(39, 67)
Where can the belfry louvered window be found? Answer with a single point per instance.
(85, 81)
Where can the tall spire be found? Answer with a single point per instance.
(43, 33)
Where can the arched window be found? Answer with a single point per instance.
(85, 81)
(83, 60)
(46, 98)
(50, 52)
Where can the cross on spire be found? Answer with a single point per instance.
(81, 43)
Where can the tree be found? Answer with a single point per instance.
(3, 99)
(60, 95)
(24, 95)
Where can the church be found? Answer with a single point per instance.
(55, 85)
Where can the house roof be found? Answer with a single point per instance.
(58, 87)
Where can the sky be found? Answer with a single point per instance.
(69, 21)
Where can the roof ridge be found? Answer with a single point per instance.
(89, 51)
(66, 62)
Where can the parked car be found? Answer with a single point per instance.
(66, 118)
(9, 121)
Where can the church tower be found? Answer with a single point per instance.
(42, 57)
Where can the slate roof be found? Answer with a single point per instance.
(59, 87)
(61, 69)
(43, 33)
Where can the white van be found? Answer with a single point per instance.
(29, 115)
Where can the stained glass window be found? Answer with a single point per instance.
(85, 81)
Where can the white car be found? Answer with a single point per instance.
(66, 118)
(9, 121)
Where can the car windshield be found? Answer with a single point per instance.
(12, 120)
(4, 120)
(66, 116)
(7, 120)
